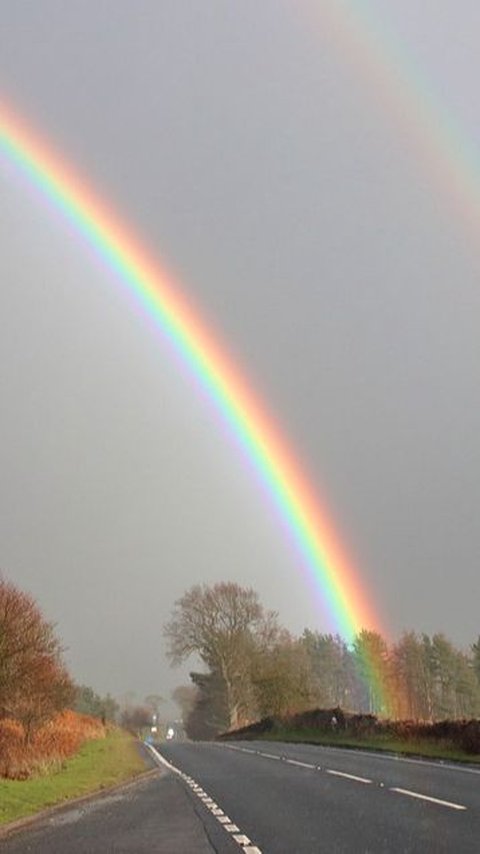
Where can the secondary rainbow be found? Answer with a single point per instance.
(424, 122)
(348, 605)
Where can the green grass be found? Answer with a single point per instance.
(424, 748)
(99, 764)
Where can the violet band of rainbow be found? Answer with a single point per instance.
(347, 603)
(445, 153)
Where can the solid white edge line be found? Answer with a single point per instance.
(428, 798)
(348, 776)
(270, 755)
(239, 837)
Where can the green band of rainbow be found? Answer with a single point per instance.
(446, 153)
(348, 606)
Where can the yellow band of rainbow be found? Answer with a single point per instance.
(347, 604)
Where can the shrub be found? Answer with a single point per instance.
(49, 746)
(460, 734)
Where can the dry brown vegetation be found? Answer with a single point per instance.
(36, 730)
(463, 735)
(49, 745)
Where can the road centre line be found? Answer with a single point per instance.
(359, 779)
(348, 776)
(428, 798)
(384, 757)
(240, 838)
(395, 757)
(239, 749)
(301, 764)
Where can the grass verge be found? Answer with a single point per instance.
(98, 765)
(420, 748)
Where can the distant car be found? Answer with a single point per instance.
(170, 733)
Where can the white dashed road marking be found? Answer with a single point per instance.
(348, 776)
(243, 841)
(355, 777)
(300, 764)
(235, 747)
(428, 798)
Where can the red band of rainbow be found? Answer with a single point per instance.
(347, 604)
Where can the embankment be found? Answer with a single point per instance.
(448, 739)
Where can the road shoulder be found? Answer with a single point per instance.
(151, 813)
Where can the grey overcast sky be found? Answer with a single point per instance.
(266, 167)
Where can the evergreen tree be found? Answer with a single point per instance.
(372, 661)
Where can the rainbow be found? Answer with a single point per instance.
(347, 604)
(402, 92)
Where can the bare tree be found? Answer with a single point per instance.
(221, 624)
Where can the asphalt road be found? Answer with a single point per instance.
(300, 799)
(271, 798)
(153, 815)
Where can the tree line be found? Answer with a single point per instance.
(254, 667)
